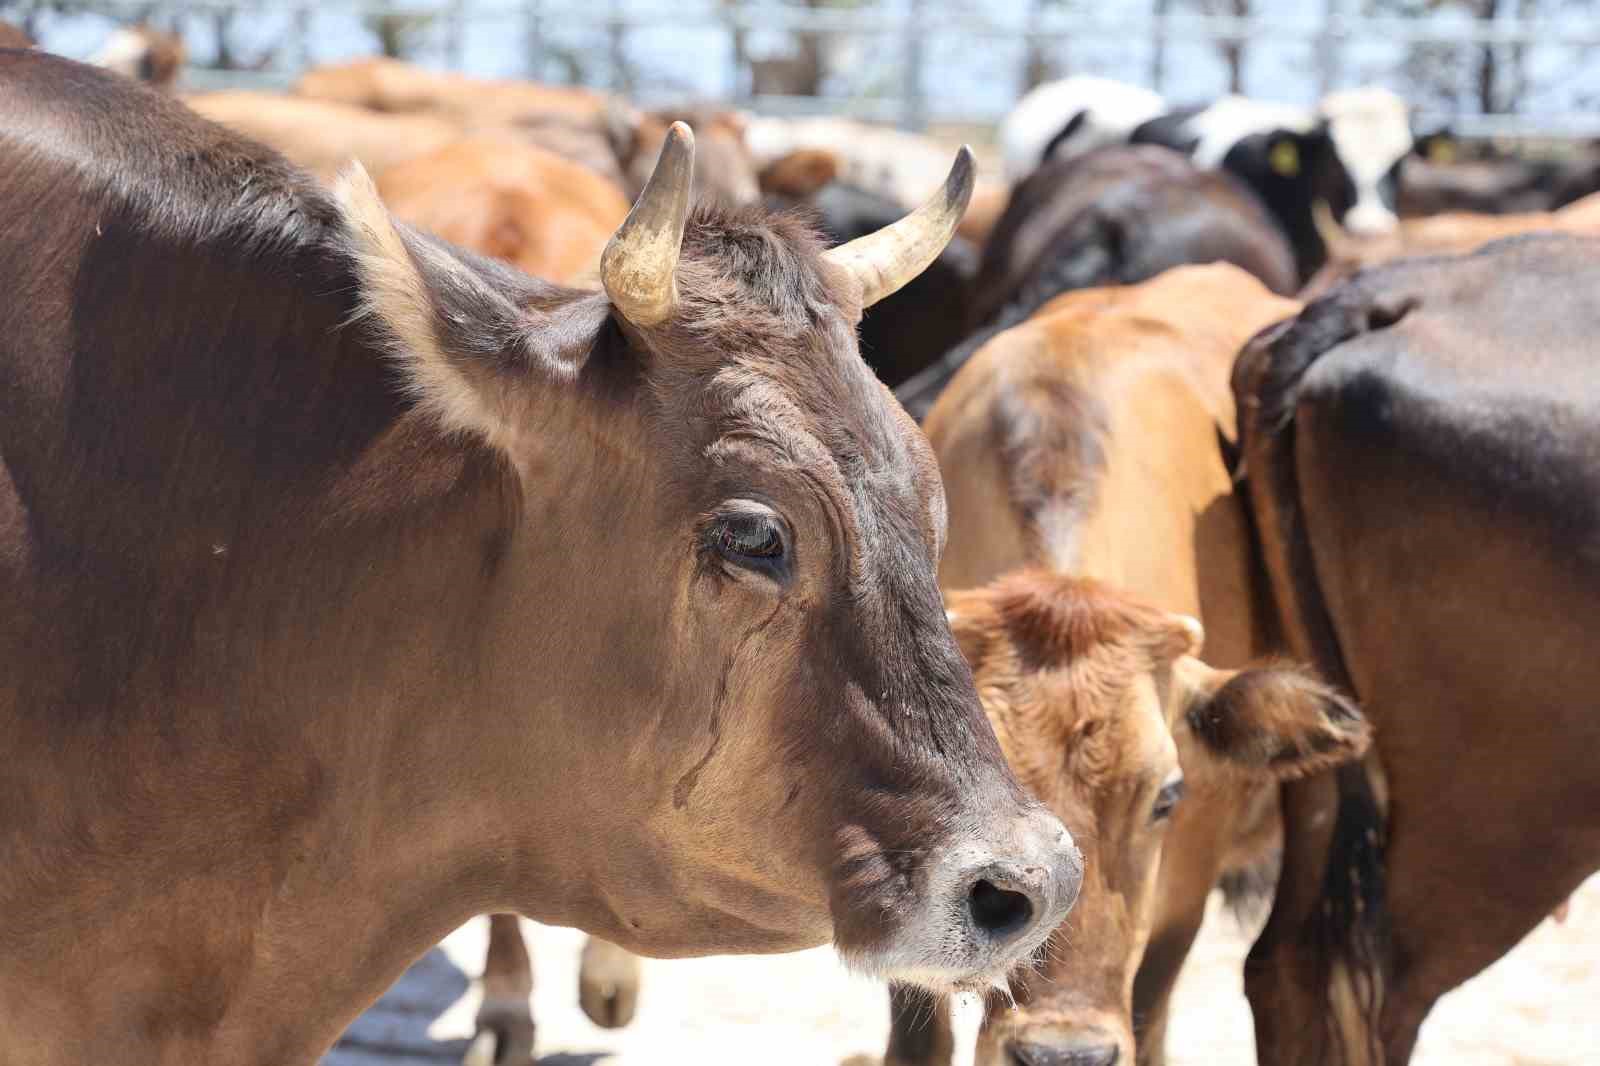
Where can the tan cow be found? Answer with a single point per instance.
(392, 85)
(1087, 441)
(1105, 712)
(13, 36)
(145, 54)
(511, 201)
(321, 136)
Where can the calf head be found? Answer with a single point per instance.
(1107, 716)
(723, 708)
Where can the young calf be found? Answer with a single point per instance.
(1106, 713)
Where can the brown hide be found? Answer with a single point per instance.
(1421, 446)
(1087, 441)
(324, 137)
(351, 587)
(502, 198)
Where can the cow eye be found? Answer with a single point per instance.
(755, 540)
(1167, 799)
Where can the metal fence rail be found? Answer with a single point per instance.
(902, 32)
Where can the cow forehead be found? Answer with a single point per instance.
(1370, 133)
(846, 439)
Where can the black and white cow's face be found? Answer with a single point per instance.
(1371, 132)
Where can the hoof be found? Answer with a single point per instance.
(608, 984)
(505, 1035)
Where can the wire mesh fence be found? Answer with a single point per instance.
(1470, 66)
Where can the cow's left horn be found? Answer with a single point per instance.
(639, 267)
(885, 261)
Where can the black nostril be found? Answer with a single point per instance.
(998, 911)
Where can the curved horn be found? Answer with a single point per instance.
(640, 264)
(884, 261)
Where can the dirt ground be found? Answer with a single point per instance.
(1539, 1006)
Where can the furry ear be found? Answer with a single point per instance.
(1273, 720)
(459, 327)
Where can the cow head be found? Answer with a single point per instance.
(1371, 132)
(729, 712)
(1106, 714)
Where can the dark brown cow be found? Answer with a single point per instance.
(1086, 441)
(1106, 714)
(1113, 217)
(1421, 446)
(351, 586)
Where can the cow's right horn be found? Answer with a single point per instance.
(883, 262)
(640, 264)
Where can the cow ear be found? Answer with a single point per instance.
(1273, 720)
(460, 328)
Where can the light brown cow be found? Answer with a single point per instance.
(1106, 714)
(325, 137)
(509, 200)
(381, 84)
(350, 587)
(1087, 441)
(1445, 234)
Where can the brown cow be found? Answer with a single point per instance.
(350, 587)
(13, 36)
(1106, 714)
(1086, 441)
(509, 200)
(583, 125)
(1421, 450)
(324, 137)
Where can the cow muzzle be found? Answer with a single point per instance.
(989, 899)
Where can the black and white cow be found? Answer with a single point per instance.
(1344, 154)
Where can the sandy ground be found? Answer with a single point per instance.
(1539, 1006)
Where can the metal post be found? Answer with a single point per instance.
(1158, 46)
(533, 39)
(456, 31)
(615, 52)
(913, 104)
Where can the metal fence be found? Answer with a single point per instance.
(908, 44)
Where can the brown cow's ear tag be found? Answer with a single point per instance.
(1285, 159)
(1442, 150)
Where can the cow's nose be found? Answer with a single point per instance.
(1023, 1054)
(1369, 220)
(1024, 891)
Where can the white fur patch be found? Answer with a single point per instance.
(1233, 118)
(1114, 110)
(1371, 130)
(394, 295)
(122, 53)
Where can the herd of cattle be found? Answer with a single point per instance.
(518, 529)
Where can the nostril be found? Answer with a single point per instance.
(1020, 1054)
(998, 911)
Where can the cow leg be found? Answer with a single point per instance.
(1466, 884)
(608, 983)
(1315, 976)
(506, 1015)
(920, 1030)
(1153, 985)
